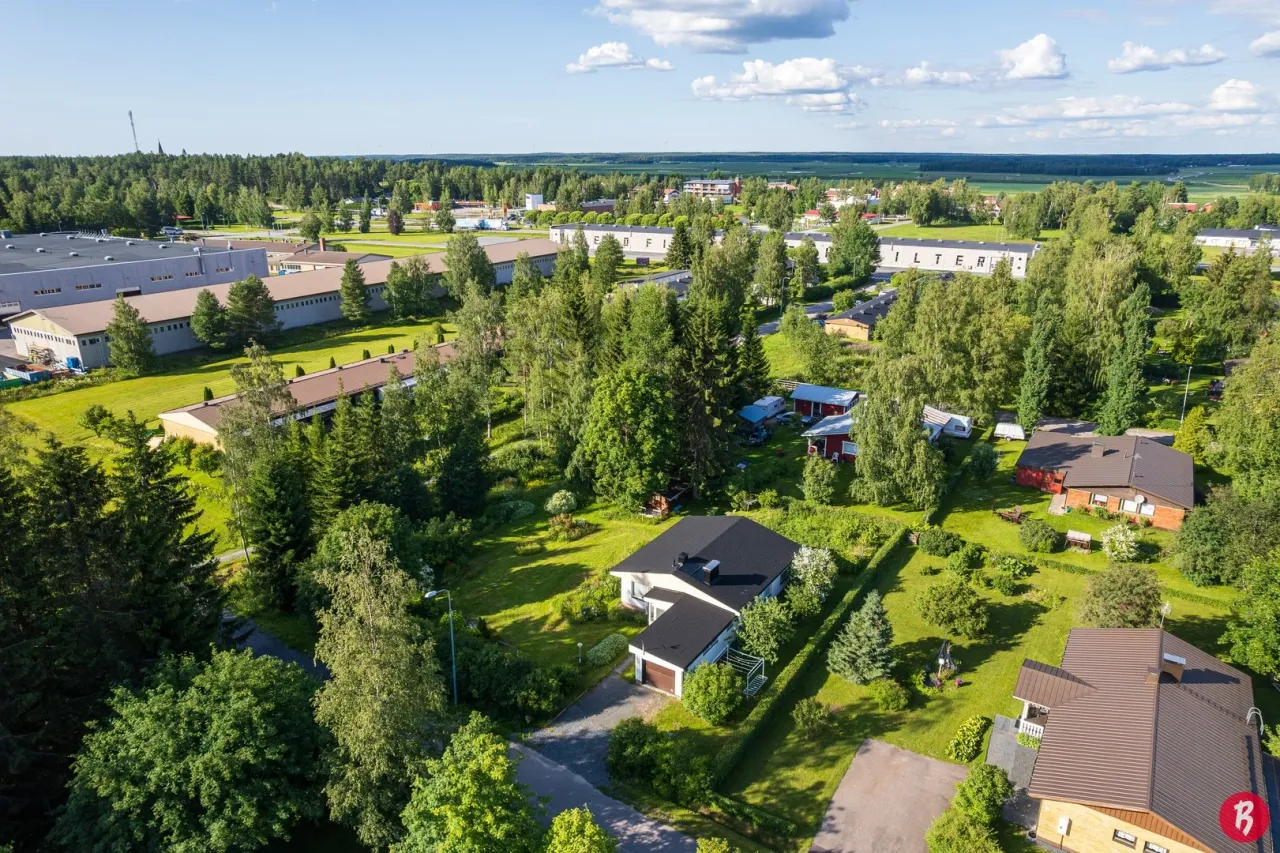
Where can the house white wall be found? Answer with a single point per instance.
(973, 257)
(653, 241)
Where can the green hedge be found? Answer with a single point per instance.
(1193, 597)
(733, 751)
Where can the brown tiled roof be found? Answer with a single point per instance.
(316, 389)
(274, 247)
(1128, 462)
(335, 258)
(1142, 743)
(1047, 686)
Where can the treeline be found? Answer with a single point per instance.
(1092, 165)
(1265, 183)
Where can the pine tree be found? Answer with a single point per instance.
(1037, 367)
(209, 321)
(1125, 390)
(863, 651)
(251, 312)
(366, 217)
(680, 250)
(355, 296)
(132, 351)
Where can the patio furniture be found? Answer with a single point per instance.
(1015, 515)
(1079, 541)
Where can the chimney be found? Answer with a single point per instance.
(680, 560)
(1097, 450)
(322, 244)
(1172, 666)
(710, 572)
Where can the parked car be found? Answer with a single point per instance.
(787, 418)
(758, 436)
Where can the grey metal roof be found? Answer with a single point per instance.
(816, 236)
(684, 631)
(832, 425)
(90, 251)
(1242, 233)
(870, 312)
(1143, 742)
(824, 394)
(926, 243)
(1145, 466)
(751, 556)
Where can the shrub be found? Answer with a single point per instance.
(1272, 741)
(639, 753)
(819, 483)
(966, 561)
(1123, 596)
(501, 513)
(529, 546)
(206, 459)
(954, 606)
(956, 832)
(813, 573)
(1120, 544)
(1038, 537)
(713, 845)
(812, 718)
(1004, 584)
(765, 627)
(967, 743)
(1044, 598)
(843, 300)
(888, 695)
(769, 499)
(926, 684)
(930, 569)
(983, 461)
(566, 529)
(590, 600)
(446, 540)
(982, 793)
(1028, 741)
(939, 542)
(180, 449)
(561, 503)
(95, 418)
(713, 692)
(502, 682)
(607, 650)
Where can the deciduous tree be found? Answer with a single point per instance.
(1123, 596)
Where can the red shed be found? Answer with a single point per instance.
(819, 401)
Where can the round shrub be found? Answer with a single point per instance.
(561, 503)
(954, 606)
(983, 461)
(812, 718)
(939, 542)
(982, 793)
(888, 694)
(607, 650)
(1120, 544)
(713, 692)
(1038, 537)
(965, 561)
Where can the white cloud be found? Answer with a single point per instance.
(1035, 59)
(1266, 11)
(1267, 44)
(815, 85)
(925, 75)
(1075, 109)
(726, 26)
(1140, 57)
(1236, 96)
(613, 54)
(922, 126)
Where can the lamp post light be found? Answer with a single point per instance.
(453, 655)
(579, 653)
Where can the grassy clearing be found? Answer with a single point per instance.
(985, 233)
(391, 250)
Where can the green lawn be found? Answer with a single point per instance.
(393, 250)
(986, 233)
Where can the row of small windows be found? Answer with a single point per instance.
(1130, 840)
(162, 277)
(47, 291)
(222, 269)
(44, 336)
(189, 274)
(93, 286)
(172, 327)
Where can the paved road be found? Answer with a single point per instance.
(265, 643)
(886, 801)
(579, 737)
(565, 789)
(810, 311)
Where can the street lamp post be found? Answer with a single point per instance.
(453, 655)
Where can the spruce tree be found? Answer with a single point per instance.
(1126, 388)
(366, 217)
(680, 251)
(251, 312)
(704, 394)
(344, 475)
(277, 522)
(753, 365)
(355, 296)
(1037, 367)
(209, 321)
(132, 351)
(863, 650)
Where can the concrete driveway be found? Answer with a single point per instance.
(579, 737)
(563, 789)
(812, 310)
(886, 801)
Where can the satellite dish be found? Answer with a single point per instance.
(1140, 499)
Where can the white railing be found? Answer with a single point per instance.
(1030, 729)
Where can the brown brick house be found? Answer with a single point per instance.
(1129, 474)
(1143, 737)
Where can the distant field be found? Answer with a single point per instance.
(985, 233)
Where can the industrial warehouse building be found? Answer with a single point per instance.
(71, 267)
(896, 253)
(1244, 240)
(302, 299)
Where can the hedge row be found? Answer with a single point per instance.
(1073, 569)
(734, 750)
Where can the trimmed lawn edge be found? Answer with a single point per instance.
(733, 751)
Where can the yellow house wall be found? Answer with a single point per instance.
(1091, 831)
(40, 324)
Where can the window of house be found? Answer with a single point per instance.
(189, 274)
(1154, 848)
(849, 448)
(1122, 837)
(1129, 506)
(1100, 500)
(1147, 509)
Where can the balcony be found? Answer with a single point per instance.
(1030, 728)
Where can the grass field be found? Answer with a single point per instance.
(985, 233)
(395, 250)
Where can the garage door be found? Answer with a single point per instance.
(660, 677)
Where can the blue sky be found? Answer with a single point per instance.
(387, 76)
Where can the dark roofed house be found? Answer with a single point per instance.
(860, 321)
(692, 582)
(1143, 737)
(1124, 473)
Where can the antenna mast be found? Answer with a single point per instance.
(135, 133)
